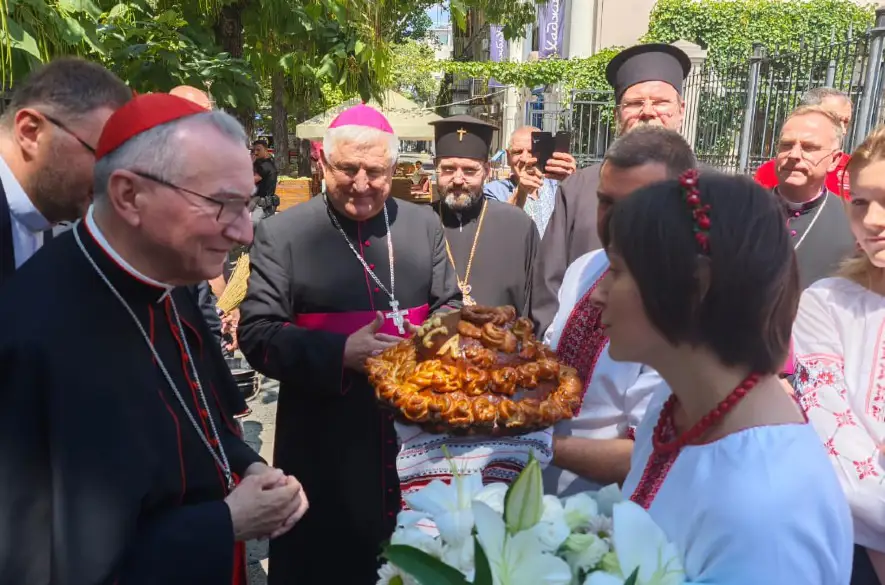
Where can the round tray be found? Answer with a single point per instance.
(462, 378)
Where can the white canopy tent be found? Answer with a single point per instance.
(409, 120)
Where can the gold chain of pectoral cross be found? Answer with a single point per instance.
(463, 284)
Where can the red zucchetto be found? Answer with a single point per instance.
(141, 114)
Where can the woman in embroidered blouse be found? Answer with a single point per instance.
(839, 346)
(703, 287)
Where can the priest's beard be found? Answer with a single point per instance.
(461, 198)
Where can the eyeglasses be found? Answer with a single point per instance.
(229, 209)
(469, 173)
(811, 154)
(637, 106)
(352, 170)
(68, 131)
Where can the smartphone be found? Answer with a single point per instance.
(543, 147)
(563, 142)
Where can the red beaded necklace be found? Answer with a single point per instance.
(666, 429)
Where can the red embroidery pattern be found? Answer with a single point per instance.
(865, 468)
(831, 447)
(802, 376)
(583, 337)
(845, 419)
(820, 386)
(655, 472)
(826, 378)
(876, 393)
(809, 401)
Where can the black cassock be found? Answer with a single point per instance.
(104, 479)
(503, 264)
(821, 237)
(571, 233)
(307, 293)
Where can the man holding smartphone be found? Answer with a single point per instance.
(528, 187)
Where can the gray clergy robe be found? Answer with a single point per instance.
(506, 251)
(570, 234)
(307, 293)
(826, 239)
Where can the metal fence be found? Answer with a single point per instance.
(735, 110)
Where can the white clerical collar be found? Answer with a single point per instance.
(792, 206)
(121, 262)
(20, 205)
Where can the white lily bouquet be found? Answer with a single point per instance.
(463, 533)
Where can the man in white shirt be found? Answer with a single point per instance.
(48, 135)
(593, 449)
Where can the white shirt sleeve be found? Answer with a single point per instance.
(824, 394)
(554, 330)
(579, 277)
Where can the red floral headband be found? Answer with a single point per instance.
(700, 213)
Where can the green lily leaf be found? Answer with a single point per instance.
(483, 575)
(633, 579)
(426, 569)
(523, 504)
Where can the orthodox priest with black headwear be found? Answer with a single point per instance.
(122, 463)
(333, 281)
(648, 82)
(491, 245)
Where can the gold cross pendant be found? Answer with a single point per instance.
(465, 292)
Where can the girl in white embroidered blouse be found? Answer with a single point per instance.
(703, 287)
(839, 346)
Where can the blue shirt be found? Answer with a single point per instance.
(539, 209)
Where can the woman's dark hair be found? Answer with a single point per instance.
(746, 314)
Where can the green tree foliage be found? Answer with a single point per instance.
(512, 15)
(728, 28)
(413, 66)
(32, 32)
(787, 30)
(158, 51)
(586, 73)
(417, 27)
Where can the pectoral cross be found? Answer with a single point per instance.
(397, 316)
(461, 133)
(465, 292)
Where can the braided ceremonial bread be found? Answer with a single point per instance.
(480, 370)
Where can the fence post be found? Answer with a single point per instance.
(749, 109)
(872, 85)
(691, 93)
(831, 74)
(514, 111)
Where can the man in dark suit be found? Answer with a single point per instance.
(648, 82)
(47, 152)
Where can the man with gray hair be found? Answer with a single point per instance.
(47, 150)
(809, 150)
(135, 472)
(593, 449)
(334, 281)
(529, 187)
(837, 103)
